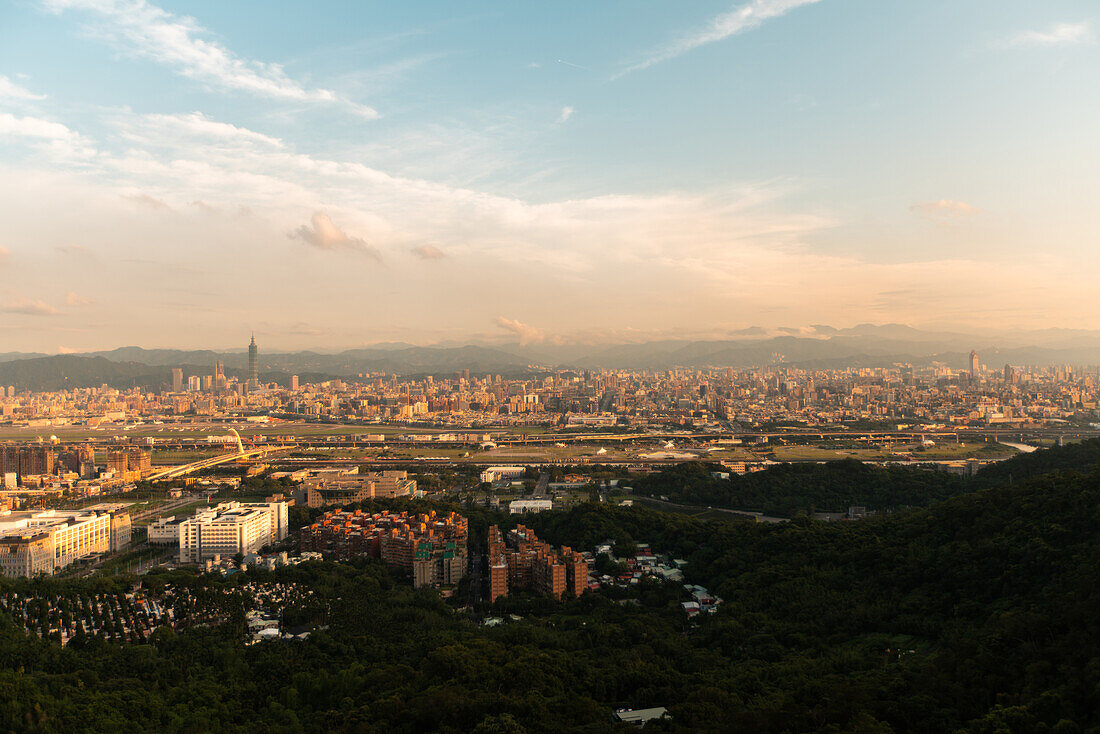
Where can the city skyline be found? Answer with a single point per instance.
(175, 175)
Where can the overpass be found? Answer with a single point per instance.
(241, 454)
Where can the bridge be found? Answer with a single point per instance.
(241, 454)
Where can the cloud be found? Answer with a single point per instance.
(11, 90)
(149, 201)
(28, 307)
(75, 251)
(943, 209)
(527, 334)
(325, 235)
(51, 136)
(742, 18)
(75, 299)
(1060, 34)
(178, 42)
(428, 252)
(566, 113)
(152, 128)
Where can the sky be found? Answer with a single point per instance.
(336, 174)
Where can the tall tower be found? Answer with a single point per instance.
(253, 373)
(974, 365)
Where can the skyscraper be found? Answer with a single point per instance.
(177, 379)
(253, 373)
(974, 364)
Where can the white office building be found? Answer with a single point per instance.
(493, 473)
(522, 507)
(231, 528)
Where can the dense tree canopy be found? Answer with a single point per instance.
(979, 613)
(787, 489)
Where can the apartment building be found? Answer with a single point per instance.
(433, 547)
(352, 488)
(521, 561)
(33, 543)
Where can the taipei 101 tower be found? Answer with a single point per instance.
(253, 373)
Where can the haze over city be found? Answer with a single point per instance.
(333, 175)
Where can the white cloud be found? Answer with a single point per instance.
(75, 299)
(28, 307)
(527, 334)
(152, 128)
(944, 208)
(428, 252)
(566, 113)
(741, 18)
(1060, 34)
(325, 235)
(737, 250)
(150, 201)
(46, 134)
(11, 90)
(177, 41)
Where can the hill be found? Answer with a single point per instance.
(787, 489)
(979, 613)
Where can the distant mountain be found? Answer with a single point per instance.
(70, 371)
(816, 347)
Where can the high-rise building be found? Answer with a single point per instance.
(253, 371)
(177, 379)
(974, 365)
(27, 460)
(294, 382)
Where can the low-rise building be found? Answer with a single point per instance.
(522, 507)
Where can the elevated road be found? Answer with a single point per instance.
(174, 472)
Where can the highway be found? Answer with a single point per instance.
(174, 472)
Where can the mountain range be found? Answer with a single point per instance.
(817, 347)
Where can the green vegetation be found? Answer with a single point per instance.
(788, 489)
(979, 613)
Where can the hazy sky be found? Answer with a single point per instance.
(332, 174)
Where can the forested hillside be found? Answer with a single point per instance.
(787, 489)
(1079, 457)
(979, 613)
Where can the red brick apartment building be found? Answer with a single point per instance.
(521, 561)
(431, 546)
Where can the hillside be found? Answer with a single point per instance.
(979, 613)
(787, 489)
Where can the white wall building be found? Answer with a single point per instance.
(33, 543)
(164, 531)
(493, 473)
(231, 528)
(522, 507)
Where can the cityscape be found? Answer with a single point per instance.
(518, 368)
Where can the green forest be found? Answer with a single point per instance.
(788, 489)
(977, 609)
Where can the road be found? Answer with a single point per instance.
(170, 505)
(758, 516)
